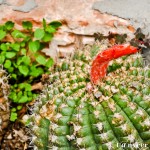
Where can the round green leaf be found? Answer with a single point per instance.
(23, 99)
(22, 44)
(14, 76)
(18, 34)
(50, 29)
(39, 33)
(29, 93)
(10, 54)
(7, 64)
(34, 46)
(55, 24)
(19, 94)
(28, 87)
(26, 60)
(25, 86)
(13, 109)
(4, 47)
(9, 25)
(19, 60)
(35, 72)
(41, 60)
(15, 46)
(13, 96)
(2, 59)
(27, 25)
(23, 70)
(23, 51)
(19, 107)
(49, 63)
(2, 34)
(2, 27)
(47, 37)
(13, 116)
(10, 70)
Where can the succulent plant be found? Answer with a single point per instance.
(4, 105)
(79, 111)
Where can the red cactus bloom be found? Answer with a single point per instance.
(100, 63)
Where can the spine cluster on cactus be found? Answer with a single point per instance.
(73, 114)
(4, 105)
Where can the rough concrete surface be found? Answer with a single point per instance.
(2, 2)
(80, 21)
(137, 11)
(27, 6)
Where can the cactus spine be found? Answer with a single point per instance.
(81, 116)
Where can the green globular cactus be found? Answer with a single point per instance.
(4, 104)
(42, 132)
(72, 113)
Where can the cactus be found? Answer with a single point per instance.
(4, 105)
(73, 113)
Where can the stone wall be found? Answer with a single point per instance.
(80, 21)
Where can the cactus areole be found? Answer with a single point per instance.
(72, 113)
